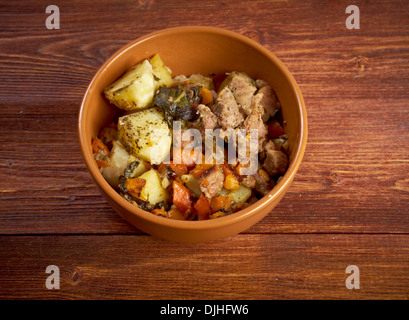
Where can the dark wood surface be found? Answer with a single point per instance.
(348, 205)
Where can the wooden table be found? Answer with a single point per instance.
(348, 205)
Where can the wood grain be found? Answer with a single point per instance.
(242, 267)
(353, 184)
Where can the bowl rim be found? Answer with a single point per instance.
(236, 217)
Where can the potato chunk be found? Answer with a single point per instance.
(118, 162)
(152, 191)
(240, 195)
(136, 88)
(161, 72)
(146, 135)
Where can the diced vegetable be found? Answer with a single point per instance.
(165, 183)
(176, 102)
(160, 212)
(135, 89)
(206, 95)
(100, 152)
(240, 195)
(232, 179)
(231, 182)
(221, 203)
(181, 198)
(99, 147)
(161, 72)
(135, 186)
(202, 208)
(153, 192)
(179, 169)
(224, 192)
(217, 214)
(118, 162)
(146, 135)
(192, 184)
(135, 168)
(102, 161)
(199, 169)
(175, 214)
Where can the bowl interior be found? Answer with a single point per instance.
(189, 50)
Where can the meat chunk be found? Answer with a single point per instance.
(227, 110)
(276, 162)
(208, 118)
(211, 182)
(249, 181)
(269, 145)
(243, 89)
(268, 100)
(255, 121)
(262, 185)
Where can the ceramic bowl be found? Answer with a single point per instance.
(188, 50)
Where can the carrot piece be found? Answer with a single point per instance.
(181, 198)
(202, 208)
(221, 203)
(160, 212)
(231, 182)
(275, 129)
(100, 152)
(102, 163)
(179, 169)
(162, 170)
(217, 214)
(99, 147)
(206, 95)
(228, 170)
(175, 214)
(135, 186)
(199, 169)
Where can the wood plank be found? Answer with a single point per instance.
(241, 267)
(311, 40)
(347, 206)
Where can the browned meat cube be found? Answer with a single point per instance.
(227, 110)
(243, 88)
(276, 162)
(267, 146)
(208, 118)
(249, 181)
(211, 182)
(255, 121)
(268, 100)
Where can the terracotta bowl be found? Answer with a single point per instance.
(188, 50)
